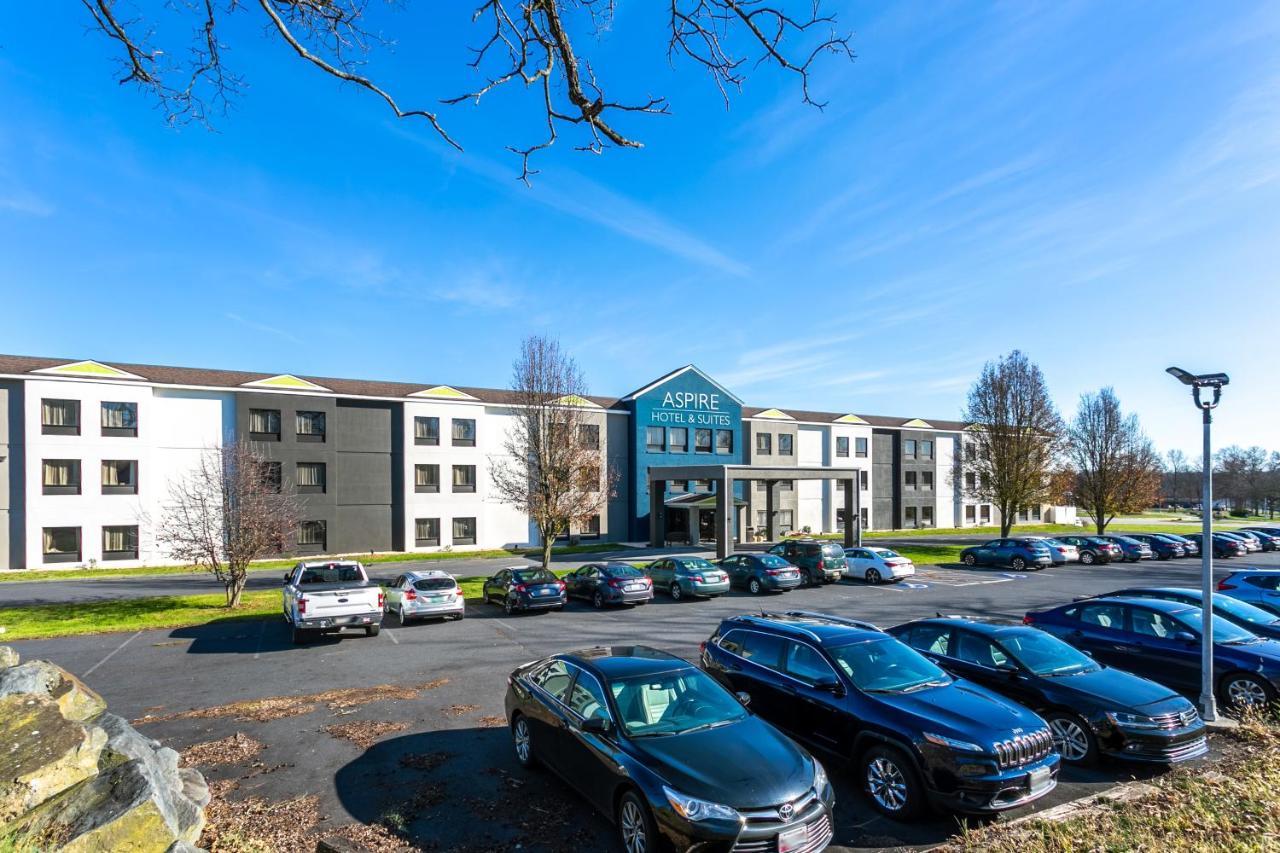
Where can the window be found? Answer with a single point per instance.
(119, 419)
(926, 480)
(554, 679)
(426, 531)
(61, 476)
(426, 431)
(702, 441)
(61, 544)
(311, 477)
(970, 513)
(764, 443)
(909, 448)
(926, 516)
(678, 486)
(910, 520)
(979, 650)
(786, 519)
(724, 441)
(312, 535)
(464, 432)
(1035, 512)
(1023, 514)
(464, 531)
(860, 447)
(309, 426)
(1152, 623)
(587, 698)
(119, 477)
(786, 444)
(971, 481)
(930, 638)
(986, 513)
(592, 527)
(864, 481)
(701, 485)
(426, 478)
(926, 450)
(271, 474)
(865, 517)
(842, 445)
(464, 478)
(1103, 615)
(655, 439)
(762, 518)
(805, 664)
(264, 424)
(590, 478)
(786, 485)
(589, 436)
(60, 417)
(911, 481)
(762, 649)
(120, 543)
(678, 439)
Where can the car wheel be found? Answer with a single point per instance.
(372, 630)
(807, 579)
(300, 635)
(873, 576)
(1163, 557)
(404, 620)
(1242, 690)
(890, 782)
(1086, 558)
(1018, 564)
(636, 829)
(597, 600)
(1073, 739)
(522, 739)
(969, 560)
(676, 592)
(754, 587)
(458, 617)
(509, 605)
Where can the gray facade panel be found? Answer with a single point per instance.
(616, 434)
(12, 466)
(884, 479)
(362, 479)
(361, 528)
(363, 427)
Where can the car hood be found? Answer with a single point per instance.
(964, 710)
(1262, 656)
(1112, 690)
(746, 765)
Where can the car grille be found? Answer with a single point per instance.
(800, 807)
(1184, 750)
(1178, 720)
(819, 836)
(1024, 749)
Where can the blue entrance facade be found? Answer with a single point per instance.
(684, 418)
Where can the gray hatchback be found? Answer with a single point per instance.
(761, 572)
(683, 577)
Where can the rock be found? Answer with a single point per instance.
(180, 793)
(194, 787)
(185, 847)
(42, 753)
(8, 657)
(41, 678)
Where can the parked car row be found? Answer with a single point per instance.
(1029, 553)
(961, 714)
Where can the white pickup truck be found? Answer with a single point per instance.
(327, 597)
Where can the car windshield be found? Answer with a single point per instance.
(623, 572)
(1045, 654)
(330, 574)
(533, 576)
(1228, 633)
(1243, 611)
(697, 564)
(1169, 537)
(773, 562)
(1054, 542)
(433, 584)
(672, 703)
(885, 552)
(887, 666)
(832, 550)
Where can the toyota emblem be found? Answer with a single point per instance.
(785, 811)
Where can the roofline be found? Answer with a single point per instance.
(672, 375)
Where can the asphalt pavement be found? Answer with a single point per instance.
(449, 771)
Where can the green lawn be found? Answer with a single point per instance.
(132, 614)
(277, 565)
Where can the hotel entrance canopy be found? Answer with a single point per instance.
(725, 476)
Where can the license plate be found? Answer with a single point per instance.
(1038, 778)
(542, 592)
(435, 599)
(635, 587)
(793, 839)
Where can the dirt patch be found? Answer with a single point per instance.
(228, 750)
(279, 707)
(257, 825)
(364, 735)
(424, 760)
(492, 722)
(373, 837)
(456, 711)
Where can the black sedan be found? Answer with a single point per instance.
(525, 588)
(670, 756)
(609, 583)
(1091, 710)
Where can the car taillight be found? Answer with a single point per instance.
(697, 579)
(382, 599)
(520, 588)
(773, 571)
(1223, 585)
(302, 605)
(822, 564)
(1027, 620)
(563, 586)
(613, 582)
(410, 595)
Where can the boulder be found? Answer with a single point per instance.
(43, 753)
(41, 678)
(8, 657)
(180, 794)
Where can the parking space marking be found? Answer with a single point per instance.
(392, 636)
(111, 654)
(262, 632)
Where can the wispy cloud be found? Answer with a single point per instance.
(263, 327)
(25, 203)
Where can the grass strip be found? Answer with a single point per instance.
(42, 621)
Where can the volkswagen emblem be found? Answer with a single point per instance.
(786, 810)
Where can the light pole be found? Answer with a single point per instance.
(1215, 381)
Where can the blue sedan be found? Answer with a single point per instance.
(1018, 554)
(1253, 619)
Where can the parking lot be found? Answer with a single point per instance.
(443, 768)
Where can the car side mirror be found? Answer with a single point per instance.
(1185, 637)
(830, 684)
(287, 578)
(743, 697)
(597, 725)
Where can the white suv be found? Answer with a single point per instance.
(418, 595)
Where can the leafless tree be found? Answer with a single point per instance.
(226, 512)
(532, 43)
(554, 469)
(1116, 469)
(1243, 475)
(1181, 480)
(1014, 432)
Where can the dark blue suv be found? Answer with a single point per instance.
(1092, 710)
(1018, 554)
(1160, 640)
(915, 735)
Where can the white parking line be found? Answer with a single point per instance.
(262, 630)
(392, 635)
(110, 655)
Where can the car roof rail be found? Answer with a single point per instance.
(827, 617)
(773, 620)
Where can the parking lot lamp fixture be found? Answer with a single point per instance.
(1200, 387)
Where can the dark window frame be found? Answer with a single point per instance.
(60, 429)
(117, 432)
(462, 441)
(723, 451)
(698, 446)
(842, 446)
(909, 448)
(589, 436)
(62, 556)
(860, 446)
(432, 437)
(652, 432)
(429, 488)
(314, 547)
(74, 489)
(125, 489)
(427, 541)
(786, 444)
(464, 539)
(678, 447)
(764, 444)
(264, 436)
(463, 488)
(312, 490)
(128, 554)
(310, 437)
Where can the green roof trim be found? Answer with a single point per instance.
(575, 400)
(443, 392)
(775, 414)
(88, 368)
(285, 381)
(849, 419)
(917, 422)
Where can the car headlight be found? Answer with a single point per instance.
(694, 809)
(820, 780)
(952, 743)
(1131, 721)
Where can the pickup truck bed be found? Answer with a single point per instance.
(313, 608)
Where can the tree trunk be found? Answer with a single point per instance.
(548, 539)
(1099, 524)
(235, 588)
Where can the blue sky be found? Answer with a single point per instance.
(1097, 184)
